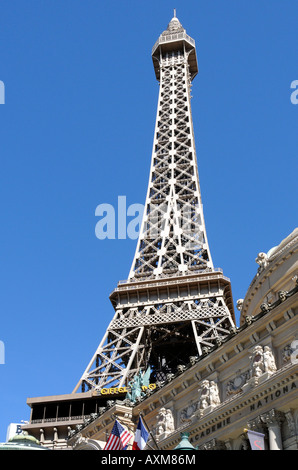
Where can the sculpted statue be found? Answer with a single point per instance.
(269, 361)
(204, 395)
(214, 395)
(257, 362)
(262, 261)
(208, 394)
(262, 360)
(169, 421)
(165, 422)
(161, 418)
(140, 380)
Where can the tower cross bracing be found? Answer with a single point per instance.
(174, 304)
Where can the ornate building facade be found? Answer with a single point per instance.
(248, 381)
(174, 316)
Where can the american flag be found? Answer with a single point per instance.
(119, 438)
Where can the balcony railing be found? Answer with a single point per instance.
(171, 38)
(59, 419)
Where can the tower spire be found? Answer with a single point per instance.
(174, 304)
(173, 239)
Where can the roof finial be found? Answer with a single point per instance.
(174, 12)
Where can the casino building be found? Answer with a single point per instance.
(248, 381)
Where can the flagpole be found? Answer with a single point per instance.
(141, 414)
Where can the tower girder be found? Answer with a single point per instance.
(173, 295)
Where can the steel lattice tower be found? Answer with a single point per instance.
(174, 304)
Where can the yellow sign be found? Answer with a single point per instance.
(113, 390)
(119, 390)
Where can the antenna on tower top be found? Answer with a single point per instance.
(174, 12)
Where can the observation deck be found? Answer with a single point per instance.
(173, 40)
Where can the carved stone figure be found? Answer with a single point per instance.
(269, 361)
(287, 352)
(208, 394)
(204, 395)
(180, 369)
(282, 295)
(257, 362)
(262, 261)
(262, 360)
(214, 395)
(193, 360)
(161, 418)
(165, 423)
(265, 307)
(169, 421)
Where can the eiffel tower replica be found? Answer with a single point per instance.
(174, 304)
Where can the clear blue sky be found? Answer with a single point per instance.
(77, 131)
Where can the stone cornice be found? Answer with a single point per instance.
(284, 251)
(222, 414)
(225, 354)
(104, 422)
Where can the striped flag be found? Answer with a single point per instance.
(141, 436)
(119, 438)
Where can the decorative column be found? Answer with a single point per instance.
(41, 439)
(273, 420)
(55, 439)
